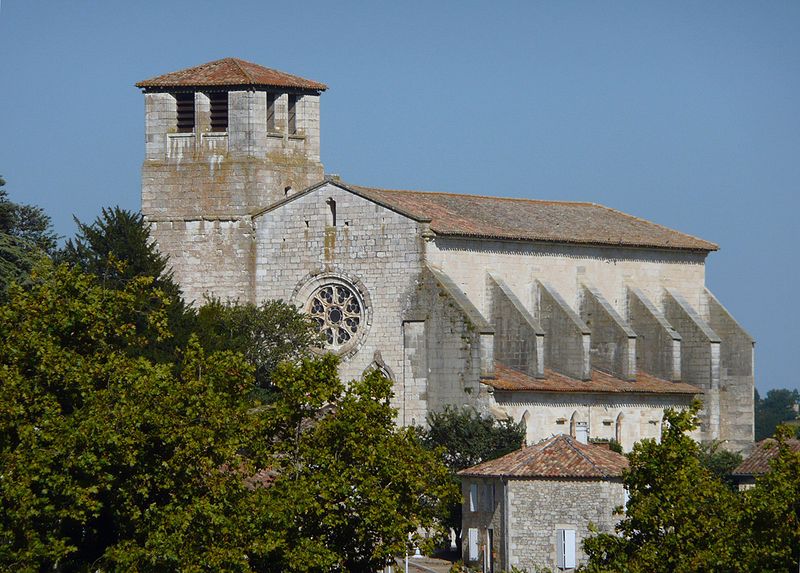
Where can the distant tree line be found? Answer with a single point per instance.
(776, 407)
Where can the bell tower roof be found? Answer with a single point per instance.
(229, 72)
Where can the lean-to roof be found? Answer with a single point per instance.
(508, 379)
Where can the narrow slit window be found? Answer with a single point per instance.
(331, 212)
(185, 107)
(271, 113)
(219, 111)
(291, 124)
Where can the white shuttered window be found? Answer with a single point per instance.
(473, 497)
(565, 541)
(473, 544)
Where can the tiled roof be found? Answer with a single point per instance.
(230, 72)
(512, 380)
(559, 456)
(757, 463)
(529, 219)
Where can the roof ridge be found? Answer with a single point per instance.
(238, 64)
(571, 443)
(529, 456)
(494, 198)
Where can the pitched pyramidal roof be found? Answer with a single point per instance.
(230, 72)
(558, 457)
(757, 463)
(508, 379)
(531, 219)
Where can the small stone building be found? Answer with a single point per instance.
(532, 508)
(570, 316)
(758, 462)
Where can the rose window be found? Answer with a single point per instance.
(338, 313)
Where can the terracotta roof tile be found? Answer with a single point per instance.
(512, 380)
(757, 463)
(529, 219)
(559, 456)
(230, 72)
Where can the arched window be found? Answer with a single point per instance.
(578, 428)
(375, 367)
(526, 421)
(618, 432)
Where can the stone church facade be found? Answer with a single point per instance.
(573, 317)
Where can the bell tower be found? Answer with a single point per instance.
(223, 140)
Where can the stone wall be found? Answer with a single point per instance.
(490, 514)
(210, 257)
(200, 189)
(613, 342)
(567, 340)
(627, 417)
(526, 514)
(377, 251)
(658, 345)
(519, 338)
(736, 383)
(454, 332)
(565, 268)
(538, 507)
(700, 357)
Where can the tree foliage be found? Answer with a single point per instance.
(112, 461)
(118, 235)
(679, 516)
(107, 458)
(266, 334)
(465, 439)
(353, 487)
(26, 235)
(776, 407)
(469, 438)
(772, 511)
(719, 461)
(117, 249)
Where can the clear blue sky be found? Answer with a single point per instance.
(685, 113)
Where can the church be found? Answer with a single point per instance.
(575, 318)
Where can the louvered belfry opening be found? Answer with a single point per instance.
(219, 110)
(185, 107)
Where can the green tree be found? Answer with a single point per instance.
(465, 439)
(719, 461)
(266, 334)
(117, 249)
(352, 487)
(26, 235)
(469, 438)
(772, 517)
(110, 461)
(679, 517)
(776, 407)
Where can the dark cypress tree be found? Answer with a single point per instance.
(117, 249)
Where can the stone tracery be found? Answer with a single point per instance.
(338, 313)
